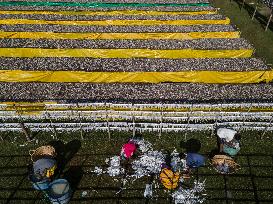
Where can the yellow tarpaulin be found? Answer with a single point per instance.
(113, 22)
(108, 13)
(104, 36)
(124, 53)
(217, 77)
(32, 107)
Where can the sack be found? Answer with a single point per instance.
(169, 179)
(225, 133)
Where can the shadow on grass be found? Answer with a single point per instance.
(65, 152)
(192, 145)
(74, 175)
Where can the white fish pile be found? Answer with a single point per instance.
(98, 170)
(190, 196)
(148, 163)
(121, 92)
(143, 145)
(114, 169)
(148, 193)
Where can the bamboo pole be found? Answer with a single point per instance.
(188, 122)
(216, 121)
(80, 119)
(1, 138)
(134, 126)
(256, 7)
(107, 122)
(133, 121)
(51, 124)
(242, 5)
(161, 120)
(269, 20)
(265, 129)
(244, 120)
(25, 131)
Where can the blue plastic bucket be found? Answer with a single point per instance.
(59, 191)
(41, 185)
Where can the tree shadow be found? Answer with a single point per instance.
(65, 152)
(74, 175)
(213, 152)
(192, 145)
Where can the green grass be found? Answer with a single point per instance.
(253, 31)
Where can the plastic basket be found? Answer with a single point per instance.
(224, 164)
(41, 152)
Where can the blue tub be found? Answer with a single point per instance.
(41, 185)
(59, 191)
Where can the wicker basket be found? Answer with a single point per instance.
(42, 151)
(222, 162)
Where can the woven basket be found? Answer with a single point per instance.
(42, 151)
(220, 160)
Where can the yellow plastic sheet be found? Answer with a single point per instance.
(26, 108)
(33, 107)
(136, 77)
(104, 36)
(124, 53)
(108, 13)
(113, 22)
